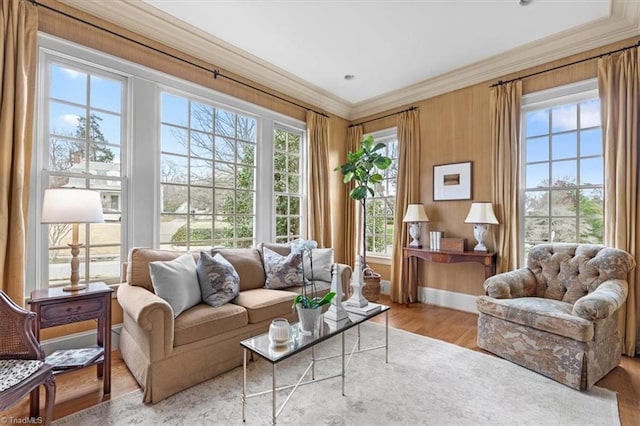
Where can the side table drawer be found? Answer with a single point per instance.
(71, 311)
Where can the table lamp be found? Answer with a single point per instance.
(481, 215)
(74, 206)
(415, 215)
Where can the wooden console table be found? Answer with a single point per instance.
(54, 306)
(411, 255)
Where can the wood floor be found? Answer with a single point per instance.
(81, 389)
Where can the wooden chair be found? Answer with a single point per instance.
(22, 367)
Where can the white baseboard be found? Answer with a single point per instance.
(79, 340)
(385, 287)
(448, 299)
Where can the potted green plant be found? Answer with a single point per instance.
(363, 166)
(308, 304)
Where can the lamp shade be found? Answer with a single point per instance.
(415, 213)
(481, 212)
(71, 205)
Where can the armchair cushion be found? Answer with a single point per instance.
(14, 371)
(553, 316)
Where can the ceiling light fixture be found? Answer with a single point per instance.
(524, 2)
(349, 76)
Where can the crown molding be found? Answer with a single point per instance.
(139, 17)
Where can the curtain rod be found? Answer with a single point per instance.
(500, 83)
(215, 73)
(384, 116)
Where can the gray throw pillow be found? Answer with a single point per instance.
(282, 271)
(322, 264)
(219, 280)
(176, 282)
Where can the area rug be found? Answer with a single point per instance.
(426, 382)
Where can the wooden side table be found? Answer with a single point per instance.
(411, 255)
(55, 306)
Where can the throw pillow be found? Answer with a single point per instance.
(219, 281)
(176, 281)
(282, 271)
(322, 264)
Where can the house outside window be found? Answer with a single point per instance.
(84, 121)
(381, 206)
(563, 166)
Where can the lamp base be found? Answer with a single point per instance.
(480, 231)
(74, 287)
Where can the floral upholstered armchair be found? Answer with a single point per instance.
(558, 316)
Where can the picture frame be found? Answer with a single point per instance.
(452, 181)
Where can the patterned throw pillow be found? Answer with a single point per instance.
(282, 271)
(219, 280)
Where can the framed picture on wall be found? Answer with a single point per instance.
(452, 181)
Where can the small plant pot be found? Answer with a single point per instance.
(309, 320)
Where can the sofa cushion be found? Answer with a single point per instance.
(247, 263)
(219, 281)
(176, 281)
(264, 304)
(322, 260)
(282, 271)
(138, 264)
(203, 321)
(553, 316)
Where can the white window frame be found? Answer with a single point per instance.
(382, 136)
(570, 93)
(141, 176)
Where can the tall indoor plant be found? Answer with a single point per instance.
(363, 166)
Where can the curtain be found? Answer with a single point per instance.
(407, 192)
(352, 232)
(18, 29)
(318, 206)
(504, 107)
(618, 83)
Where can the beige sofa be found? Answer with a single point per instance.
(167, 355)
(558, 316)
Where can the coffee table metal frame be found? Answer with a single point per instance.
(301, 343)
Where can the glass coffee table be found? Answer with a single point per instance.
(262, 346)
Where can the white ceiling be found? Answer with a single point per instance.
(399, 51)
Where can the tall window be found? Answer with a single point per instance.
(287, 184)
(85, 113)
(381, 206)
(207, 175)
(563, 171)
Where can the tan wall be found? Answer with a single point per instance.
(455, 128)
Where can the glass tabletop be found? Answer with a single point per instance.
(299, 341)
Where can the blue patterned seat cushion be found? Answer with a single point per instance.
(14, 371)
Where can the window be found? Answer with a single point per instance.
(287, 184)
(83, 142)
(381, 206)
(563, 173)
(177, 165)
(207, 175)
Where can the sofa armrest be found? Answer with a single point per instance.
(509, 285)
(152, 315)
(343, 273)
(603, 301)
